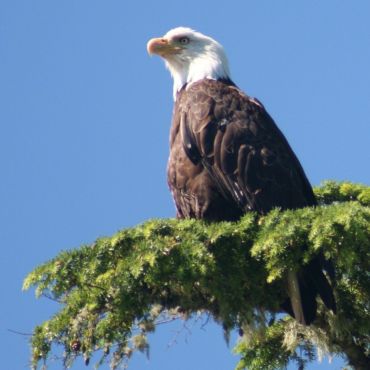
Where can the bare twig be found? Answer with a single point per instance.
(20, 333)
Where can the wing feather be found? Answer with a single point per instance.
(242, 149)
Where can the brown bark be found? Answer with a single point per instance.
(357, 357)
(355, 353)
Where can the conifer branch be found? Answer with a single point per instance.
(115, 291)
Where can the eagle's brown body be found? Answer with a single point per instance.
(228, 157)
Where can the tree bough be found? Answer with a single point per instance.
(115, 291)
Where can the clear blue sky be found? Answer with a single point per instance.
(85, 115)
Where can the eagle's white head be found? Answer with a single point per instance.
(190, 56)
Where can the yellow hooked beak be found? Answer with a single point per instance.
(162, 47)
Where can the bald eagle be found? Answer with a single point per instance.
(228, 157)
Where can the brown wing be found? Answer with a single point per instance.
(241, 147)
(228, 157)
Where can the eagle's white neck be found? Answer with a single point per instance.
(194, 65)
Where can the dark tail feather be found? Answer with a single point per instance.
(328, 266)
(316, 277)
(303, 287)
(309, 304)
(302, 299)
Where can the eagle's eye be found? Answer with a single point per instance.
(184, 40)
